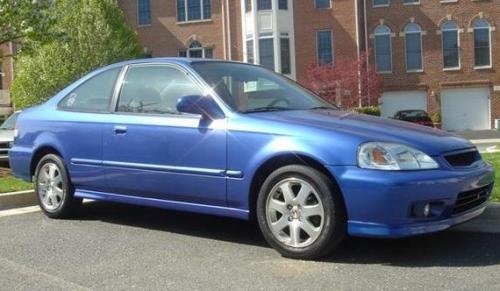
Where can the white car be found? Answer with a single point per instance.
(7, 136)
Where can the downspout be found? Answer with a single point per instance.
(224, 29)
(366, 47)
(229, 31)
(356, 12)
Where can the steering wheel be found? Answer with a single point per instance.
(278, 100)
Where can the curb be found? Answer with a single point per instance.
(17, 199)
(481, 141)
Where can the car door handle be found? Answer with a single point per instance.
(119, 129)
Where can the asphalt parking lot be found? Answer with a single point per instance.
(125, 247)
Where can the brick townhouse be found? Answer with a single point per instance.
(434, 55)
(437, 55)
(6, 70)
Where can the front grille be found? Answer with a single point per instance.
(463, 159)
(470, 199)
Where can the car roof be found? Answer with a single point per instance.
(173, 60)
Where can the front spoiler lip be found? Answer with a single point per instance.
(367, 229)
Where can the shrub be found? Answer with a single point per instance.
(370, 110)
(91, 33)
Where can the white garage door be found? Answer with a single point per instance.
(392, 102)
(465, 109)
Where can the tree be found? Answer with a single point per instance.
(24, 19)
(92, 33)
(348, 82)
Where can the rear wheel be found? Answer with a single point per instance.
(53, 188)
(300, 212)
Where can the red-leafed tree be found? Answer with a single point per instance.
(347, 82)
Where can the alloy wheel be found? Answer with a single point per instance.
(50, 187)
(295, 213)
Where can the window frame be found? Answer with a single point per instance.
(332, 49)
(329, 5)
(281, 3)
(457, 30)
(489, 28)
(416, 2)
(109, 109)
(289, 57)
(186, 12)
(267, 37)
(375, 34)
(139, 13)
(189, 49)
(421, 49)
(381, 5)
(265, 9)
(120, 82)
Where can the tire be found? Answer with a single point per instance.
(53, 188)
(310, 222)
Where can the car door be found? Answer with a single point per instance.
(153, 151)
(78, 126)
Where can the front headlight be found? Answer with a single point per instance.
(393, 157)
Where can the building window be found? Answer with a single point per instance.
(285, 56)
(411, 1)
(144, 12)
(451, 57)
(192, 10)
(196, 50)
(324, 47)
(248, 5)
(283, 4)
(264, 5)
(383, 49)
(250, 57)
(482, 41)
(323, 3)
(378, 3)
(413, 46)
(266, 52)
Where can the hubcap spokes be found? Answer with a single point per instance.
(50, 186)
(294, 212)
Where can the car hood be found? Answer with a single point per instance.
(6, 135)
(371, 128)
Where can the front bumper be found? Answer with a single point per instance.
(380, 203)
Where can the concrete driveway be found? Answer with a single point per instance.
(125, 247)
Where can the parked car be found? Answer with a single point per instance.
(416, 116)
(7, 136)
(238, 140)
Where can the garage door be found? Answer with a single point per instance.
(392, 102)
(465, 109)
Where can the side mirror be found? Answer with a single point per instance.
(196, 104)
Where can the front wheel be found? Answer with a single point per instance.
(53, 188)
(301, 213)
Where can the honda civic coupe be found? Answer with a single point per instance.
(238, 140)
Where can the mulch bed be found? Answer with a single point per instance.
(4, 172)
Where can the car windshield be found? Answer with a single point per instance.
(10, 123)
(248, 88)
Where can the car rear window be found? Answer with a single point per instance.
(94, 94)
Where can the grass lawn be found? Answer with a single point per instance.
(10, 184)
(495, 159)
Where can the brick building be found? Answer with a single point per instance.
(6, 70)
(437, 55)
(433, 55)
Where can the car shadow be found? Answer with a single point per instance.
(449, 248)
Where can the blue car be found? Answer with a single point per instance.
(237, 140)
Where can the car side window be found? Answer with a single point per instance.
(94, 94)
(154, 89)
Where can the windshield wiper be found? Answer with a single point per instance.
(265, 109)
